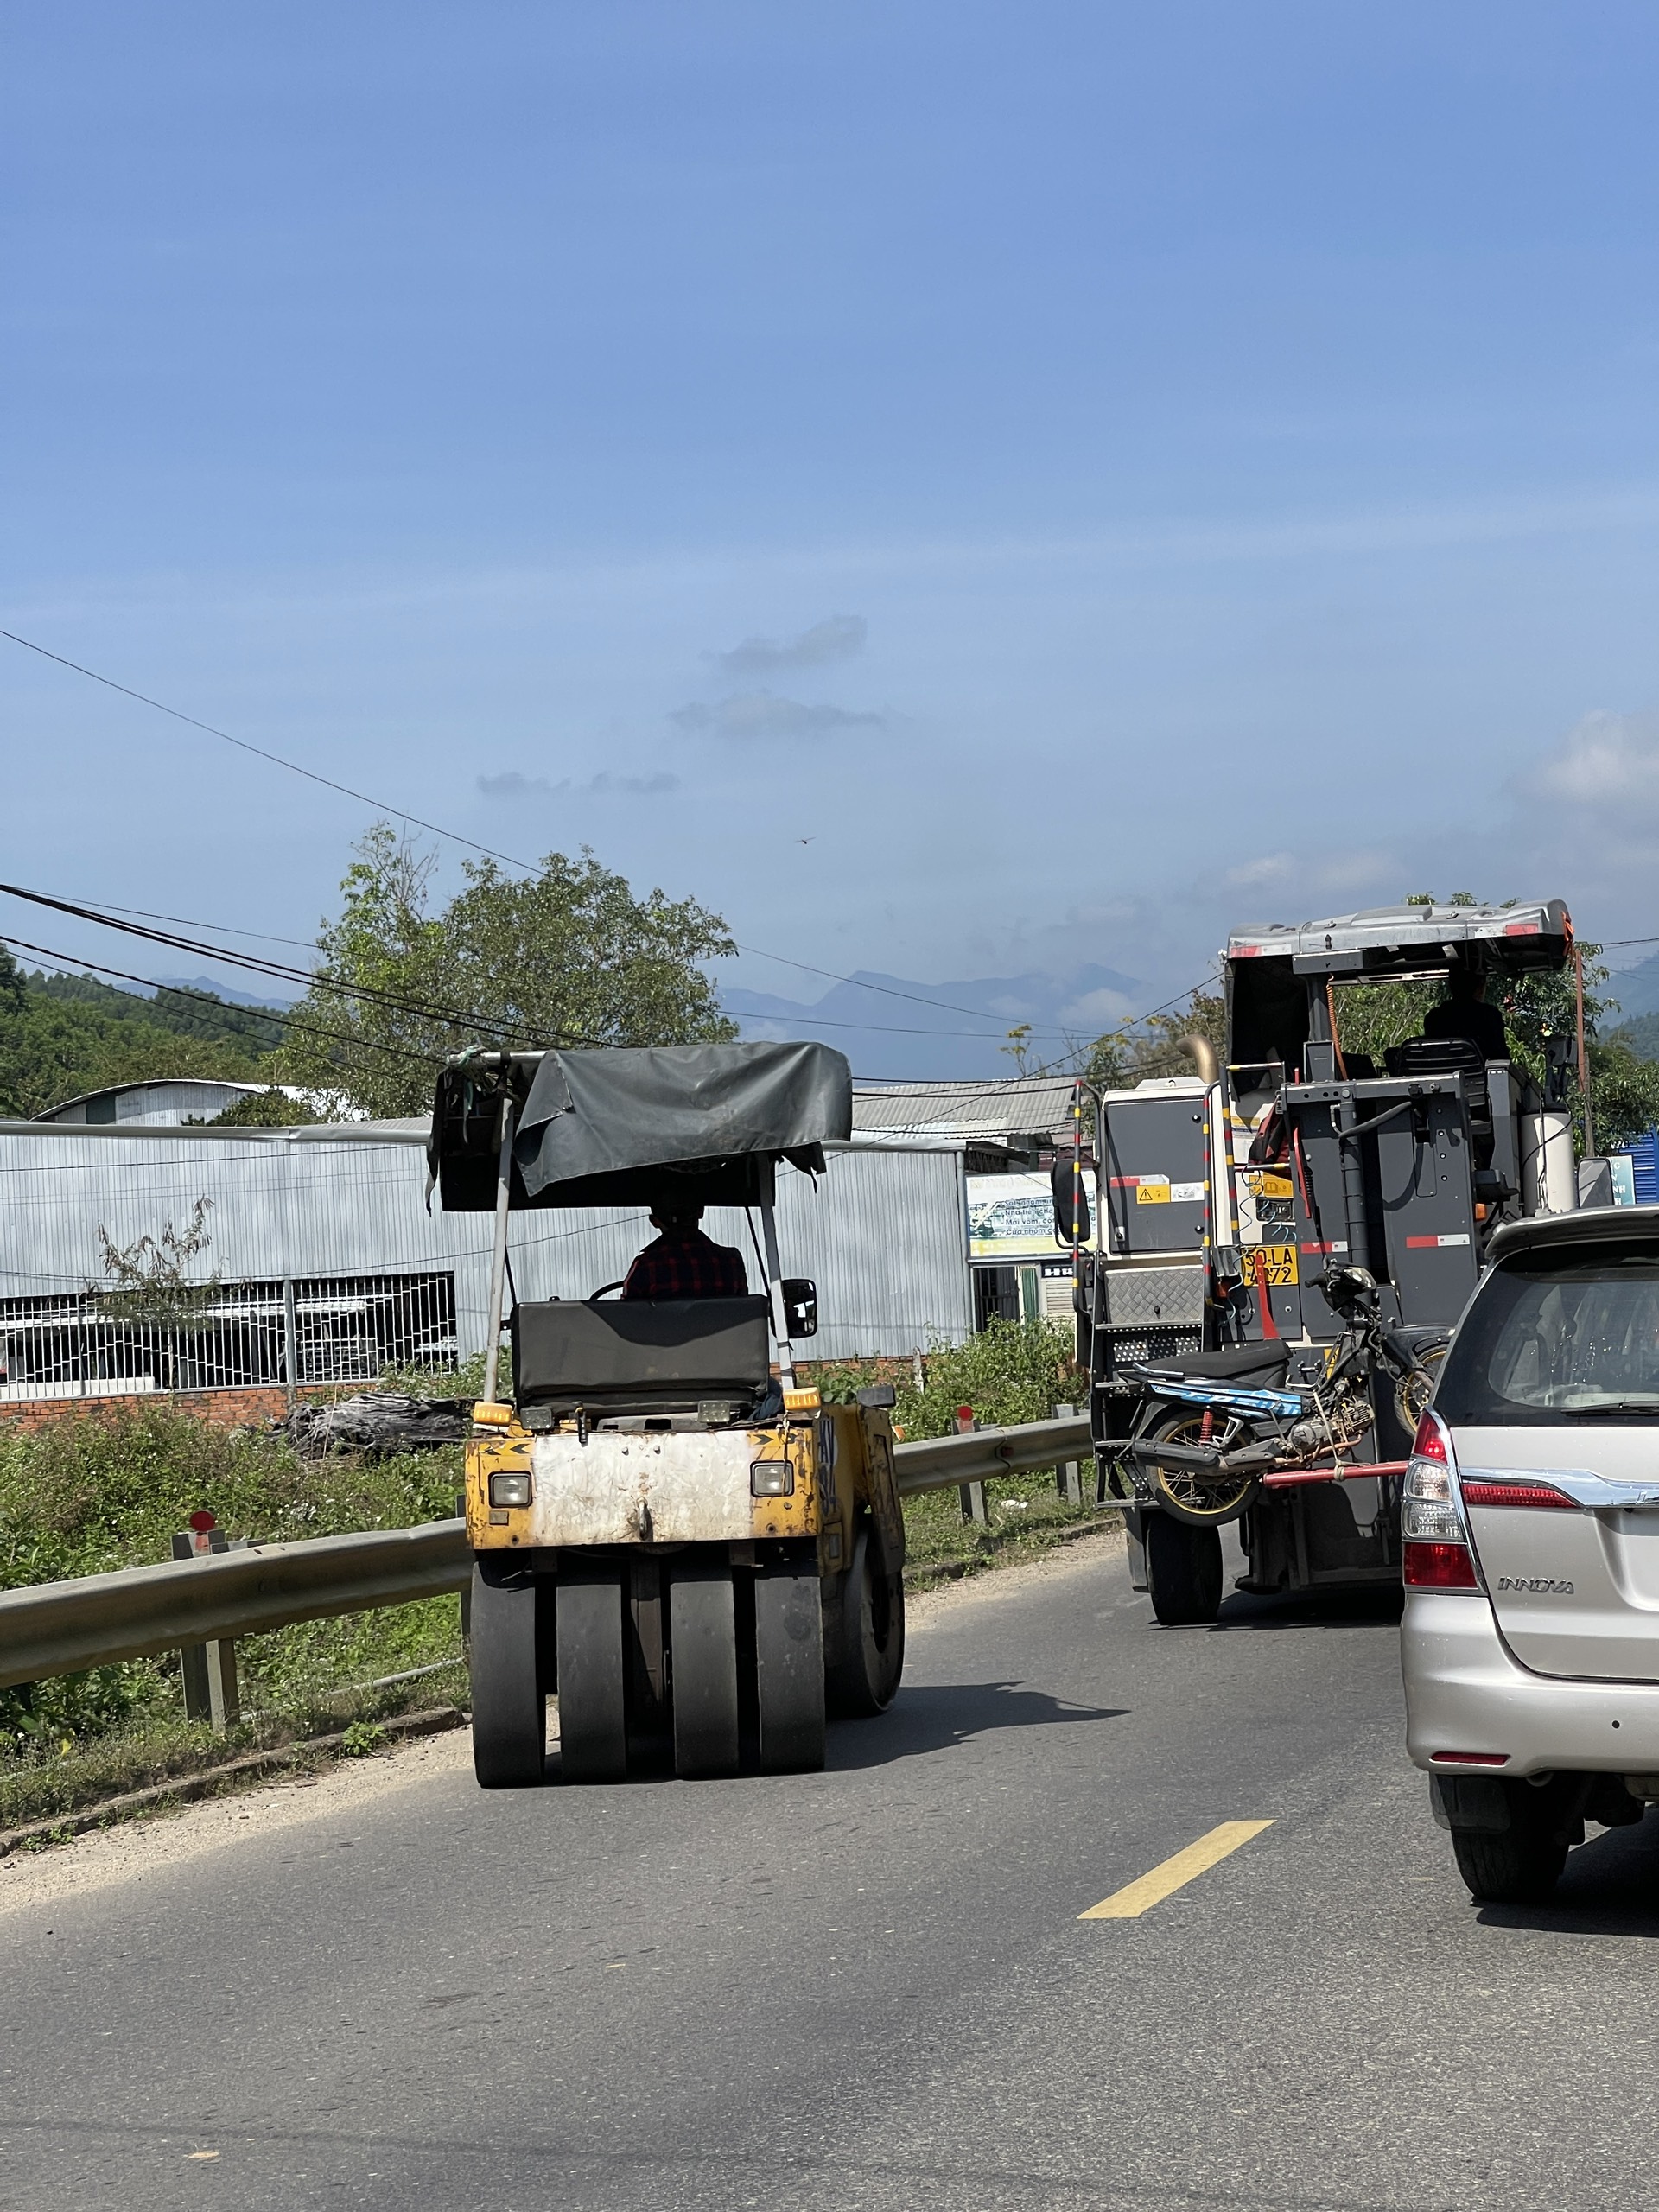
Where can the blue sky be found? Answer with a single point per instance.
(1101, 473)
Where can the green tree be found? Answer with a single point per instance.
(1141, 1050)
(568, 955)
(150, 1282)
(264, 1109)
(53, 1049)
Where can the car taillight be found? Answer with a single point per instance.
(1539, 1498)
(1438, 1567)
(1436, 1554)
(1431, 1441)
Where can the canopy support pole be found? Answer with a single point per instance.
(775, 1276)
(499, 1256)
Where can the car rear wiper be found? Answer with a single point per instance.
(1615, 1409)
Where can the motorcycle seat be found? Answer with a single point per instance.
(1233, 1364)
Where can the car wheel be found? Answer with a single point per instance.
(1509, 1869)
(1519, 1865)
(1184, 1570)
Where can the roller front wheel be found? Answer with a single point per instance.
(789, 1667)
(509, 1710)
(593, 1699)
(703, 1667)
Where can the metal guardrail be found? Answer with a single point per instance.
(59, 1628)
(940, 1462)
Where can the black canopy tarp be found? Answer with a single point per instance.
(691, 1124)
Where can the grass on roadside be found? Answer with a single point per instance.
(109, 1490)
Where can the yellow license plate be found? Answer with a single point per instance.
(1278, 1263)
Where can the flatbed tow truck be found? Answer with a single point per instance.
(1224, 1197)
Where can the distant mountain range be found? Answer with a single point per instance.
(1636, 989)
(891, 1026)
(216, 989)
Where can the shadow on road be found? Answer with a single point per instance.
(1611, 1887)
(1374, 1605)
(926, 1720)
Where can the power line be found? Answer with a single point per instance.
(454, 836)
(283, 971)
(258, 964)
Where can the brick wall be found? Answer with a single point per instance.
(250, 1408)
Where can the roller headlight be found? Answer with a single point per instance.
(510, 1490)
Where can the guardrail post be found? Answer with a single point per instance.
(974, 1508)
(1068, 1479)
(466, 1586)
(208, 1670)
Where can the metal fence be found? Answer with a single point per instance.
(220, 1337)
(345, 1215)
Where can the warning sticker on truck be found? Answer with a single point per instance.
(1150, 1193)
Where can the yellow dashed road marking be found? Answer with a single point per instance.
(1140, 1896)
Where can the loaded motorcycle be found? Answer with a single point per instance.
(1208, 1429)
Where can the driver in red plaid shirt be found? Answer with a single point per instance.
(683, 1262)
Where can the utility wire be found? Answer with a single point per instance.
(305, 1028)
(314, 979)
(454, 836)
(281, 970)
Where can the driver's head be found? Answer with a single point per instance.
(676, 1221)
(1466, 984)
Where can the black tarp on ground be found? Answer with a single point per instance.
(686, 1124)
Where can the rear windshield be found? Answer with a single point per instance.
(1567, 1335)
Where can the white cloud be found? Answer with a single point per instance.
(513, 786)
(764, 714)
(1607, 764)
(838, 638)
(1324, 874)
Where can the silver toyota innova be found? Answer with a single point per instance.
(1530, 1520)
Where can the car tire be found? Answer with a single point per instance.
(1520, 1867)
(1184, 1571)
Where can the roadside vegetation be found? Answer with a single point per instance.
(1013, 1371)
(86, 1495)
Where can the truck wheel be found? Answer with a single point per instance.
(1184, 1570)
(509, 1712)
(1521, 1864)
(866, 1651)
(789, 1667)
(593, 1703)
(703, 1671)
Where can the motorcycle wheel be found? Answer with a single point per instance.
(1412, 1392)
(1201, 1500)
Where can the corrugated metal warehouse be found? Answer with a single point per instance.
(334, 1224)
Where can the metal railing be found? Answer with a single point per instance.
(226, 1336)
(60, 1628)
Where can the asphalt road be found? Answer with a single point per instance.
(871, 1987)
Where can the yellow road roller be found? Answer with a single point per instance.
(669, 1531)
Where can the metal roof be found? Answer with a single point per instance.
(1023, 1106)
(1397, 928)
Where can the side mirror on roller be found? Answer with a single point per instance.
(801, 1306)
(1072, 1225)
